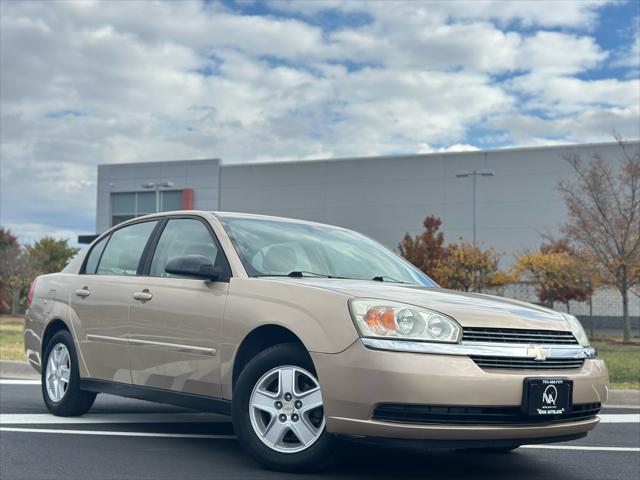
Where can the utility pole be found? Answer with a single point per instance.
(474, 174)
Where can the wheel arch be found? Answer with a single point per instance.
(260, 339)
(53, 327)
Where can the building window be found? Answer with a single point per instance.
(171, 200)
(128, 205)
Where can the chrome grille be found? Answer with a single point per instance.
(512, 335)
(524, 363)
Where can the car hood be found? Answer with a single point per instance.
(469, 309)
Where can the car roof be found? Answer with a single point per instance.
(222, 215)
(273, 218)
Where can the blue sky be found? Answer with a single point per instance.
(85, 83)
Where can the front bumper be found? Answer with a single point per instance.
(357, 380)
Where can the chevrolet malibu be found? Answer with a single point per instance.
(305, 334)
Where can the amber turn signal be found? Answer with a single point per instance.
(380, 319)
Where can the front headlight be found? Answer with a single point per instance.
(384, 319)
(577, 329)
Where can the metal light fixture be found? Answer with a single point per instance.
(474, 174)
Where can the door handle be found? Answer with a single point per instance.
(143, 296)
(83, 292)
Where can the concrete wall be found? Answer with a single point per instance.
(606, 316)
(385, 197)
(203, 176)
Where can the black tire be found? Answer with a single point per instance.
(74, 401)
(317, 456)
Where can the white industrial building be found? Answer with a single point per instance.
(516, 199)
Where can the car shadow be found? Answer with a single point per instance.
(365, 462)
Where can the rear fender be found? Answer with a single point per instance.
(50, 308)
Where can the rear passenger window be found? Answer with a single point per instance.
(94, 256)
(182, 236)
(123, 252)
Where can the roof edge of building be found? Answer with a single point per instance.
(164, 162)
(375, 157)
(430, 154)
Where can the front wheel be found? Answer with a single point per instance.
(278, 413)
(61, 378)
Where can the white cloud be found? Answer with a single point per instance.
(588, 126)
(563, 94)
(29, 233)
(84, 83)
(545, 13)
(554, 53)
(458, 147)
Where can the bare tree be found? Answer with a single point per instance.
(604, 217)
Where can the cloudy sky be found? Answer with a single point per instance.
(84, 83)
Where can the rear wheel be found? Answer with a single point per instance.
(61, 378)
(278, 413)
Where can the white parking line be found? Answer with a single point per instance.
(11, 381)
(93, 418)
(582, 447)
(633, 407)
(96, 418)
(232, 437)
(116, 434)
(620, 418)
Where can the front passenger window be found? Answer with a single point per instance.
(123, 252)
(183, 236)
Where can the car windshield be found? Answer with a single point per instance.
(272, 247)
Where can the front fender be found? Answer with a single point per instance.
(318, 317)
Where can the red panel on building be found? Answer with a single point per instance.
(187, 199)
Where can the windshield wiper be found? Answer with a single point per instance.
(302, 273)
(298, 274)
(385, 278)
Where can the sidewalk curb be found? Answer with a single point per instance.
(624, 397)
(23, 370)
(19, 370)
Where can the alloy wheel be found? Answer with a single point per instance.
(58, 372)
(286, 409)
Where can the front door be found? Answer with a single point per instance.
(176, 322)
(100, 300)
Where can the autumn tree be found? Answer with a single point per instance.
(9, 250)
(16, 270)
(20, 265)
(557, 272)
(426, 250)
(50, 255)
(470, 268)
(460, 266)
(603, 203)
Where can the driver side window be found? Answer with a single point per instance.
(182, 236)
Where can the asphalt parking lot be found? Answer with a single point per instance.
(122, 438)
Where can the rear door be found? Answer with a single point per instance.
(101, 297)
(176, 322)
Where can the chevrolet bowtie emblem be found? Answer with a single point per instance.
(537, 352)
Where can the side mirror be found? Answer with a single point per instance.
(197, 266)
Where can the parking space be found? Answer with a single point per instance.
(122, 438)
